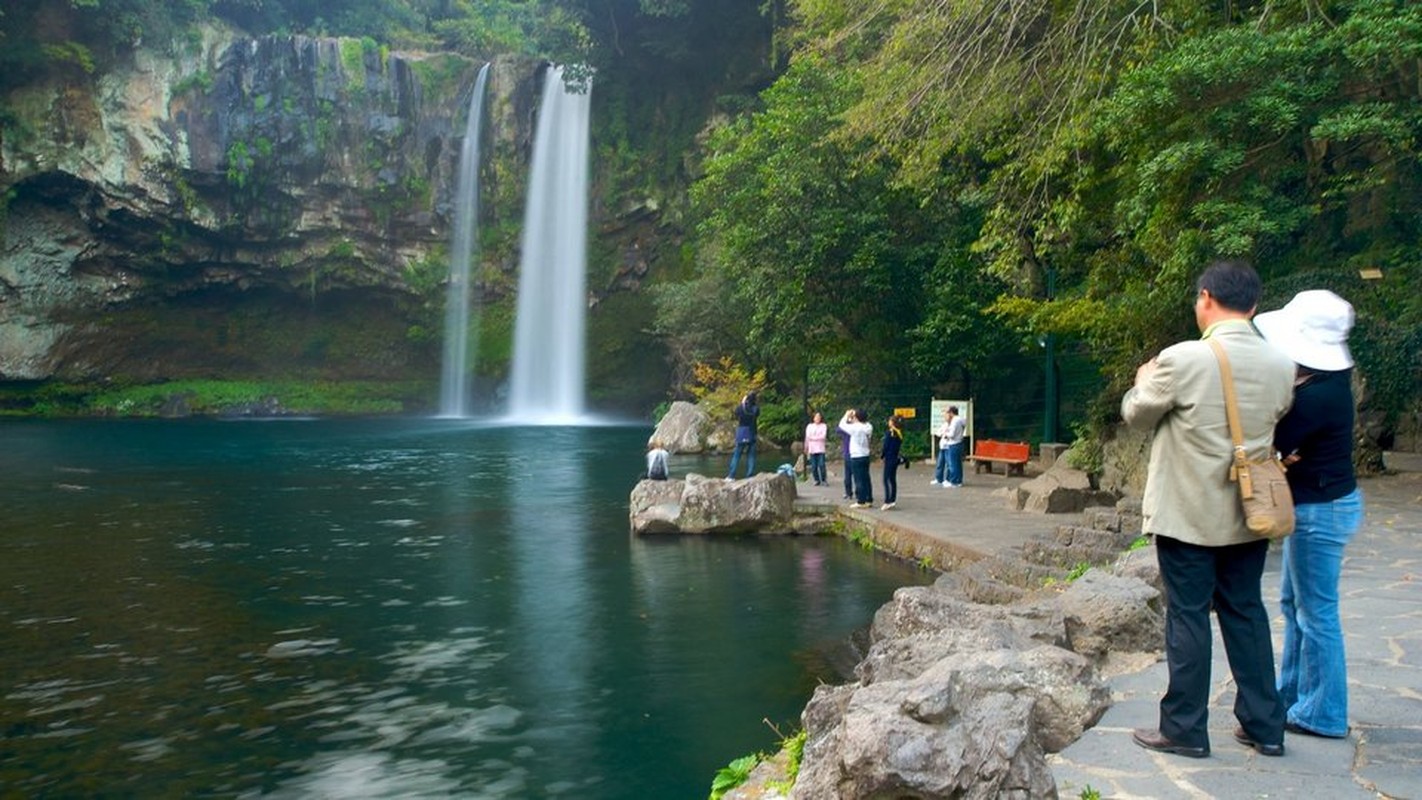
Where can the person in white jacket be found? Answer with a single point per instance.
(949, 470)
(856, 426)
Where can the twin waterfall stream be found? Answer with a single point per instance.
(546, 384)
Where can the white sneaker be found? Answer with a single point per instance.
(728, 479)
(886, 506)
(952, 485)
(933, 483)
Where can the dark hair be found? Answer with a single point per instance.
(1233, 283)
(750, 398)
(861, 415)
(953, 409)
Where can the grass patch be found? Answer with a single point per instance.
(216, 397)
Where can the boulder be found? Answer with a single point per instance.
(976, 724)
(961, 699)
(656, 506)
(1060, 490)
(763, 503)
(1142, 564)
(682, 429)
(1108, 613)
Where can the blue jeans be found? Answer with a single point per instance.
(848, 478)
(955, 464)
(940, 467)
(1313, 673)
(749, 448)
(891, 480)
(817, 468)
(863, 489)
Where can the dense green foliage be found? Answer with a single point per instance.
(86, 35)
(1108, 149)
(816, 257)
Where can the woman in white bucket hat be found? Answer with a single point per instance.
(1316, 439)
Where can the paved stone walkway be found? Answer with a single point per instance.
(1382, 619)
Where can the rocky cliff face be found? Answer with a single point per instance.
(249, 206)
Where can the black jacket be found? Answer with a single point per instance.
(1319, 429)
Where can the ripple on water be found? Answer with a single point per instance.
(415, 661)
(300, 648)
(147, 749)
(367, 774)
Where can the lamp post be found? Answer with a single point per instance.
(1049, 343)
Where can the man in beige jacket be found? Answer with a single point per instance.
(1208, 559)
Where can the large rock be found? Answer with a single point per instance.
(1060, 490)
(923, 625)
(960, 699)
(974, 725)
(1108, 613)
(682, 429)
(763, 503)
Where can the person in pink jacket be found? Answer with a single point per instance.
(815, 435)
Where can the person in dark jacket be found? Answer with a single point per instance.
(746, 415)
(1316, 440)
(893, 443)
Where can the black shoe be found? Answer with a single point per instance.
(1263, 749)
(1293, 727)
(1155, 740)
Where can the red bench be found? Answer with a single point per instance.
(987, 452)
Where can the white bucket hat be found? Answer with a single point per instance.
(1312, 330)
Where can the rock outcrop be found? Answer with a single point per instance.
(244, 206)
(682, 429)
(763, 503)
(1059, 490)
(969, 683)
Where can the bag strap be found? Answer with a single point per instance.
(1239, 470)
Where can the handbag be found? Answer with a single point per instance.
(1263, 490)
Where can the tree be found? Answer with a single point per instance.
(828, 260)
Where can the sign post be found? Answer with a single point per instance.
(935, 414)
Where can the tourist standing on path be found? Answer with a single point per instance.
(893, 443)
(1208, 559)
(815, 434)
(949, 470)
(857, 427)
(746, 414)
(1316, 438)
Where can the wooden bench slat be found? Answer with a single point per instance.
(987, 452)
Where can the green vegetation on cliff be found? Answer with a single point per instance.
(217, 398)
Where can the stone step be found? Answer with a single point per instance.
(1019, 572)
(1077, 535)
(977, 585)
(1052, 553)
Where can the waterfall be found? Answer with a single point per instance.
(547, 383)
(458, 334)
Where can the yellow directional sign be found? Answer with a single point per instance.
(906, 413)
